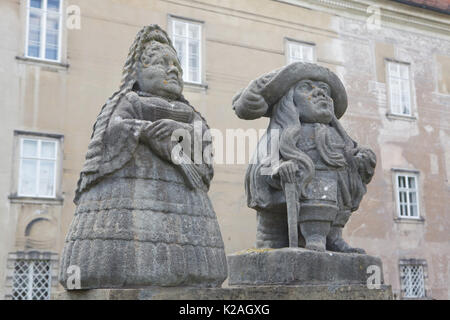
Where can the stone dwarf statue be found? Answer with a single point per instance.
(142, 219)
(304, 102)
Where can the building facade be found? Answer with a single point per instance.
(62, 59)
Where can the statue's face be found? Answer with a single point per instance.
(314, 101)
(159, 72)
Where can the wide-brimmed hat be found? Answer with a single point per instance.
(278, 83)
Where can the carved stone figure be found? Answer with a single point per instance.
(322, 173)
(141, 219)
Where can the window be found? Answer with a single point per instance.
(31, 280)
(186, 36)
(298, 51)
(399, 88)
(37, 171)
(412, 280)
(44, 29)
(407, 195)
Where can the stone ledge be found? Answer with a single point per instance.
(298, 266)
(350, 292)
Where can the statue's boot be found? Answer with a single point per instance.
(272, 230)
(335, 242)
(315, 224)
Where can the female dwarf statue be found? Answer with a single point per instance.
(329, 171)
(141, 218)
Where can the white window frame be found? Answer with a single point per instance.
(188, 22)
(43, 27)
(302, 45)
(403, 83)
(406, 279)
(407, 190)
(31, 275)
(39, 158)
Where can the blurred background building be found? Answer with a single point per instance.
(62, 59)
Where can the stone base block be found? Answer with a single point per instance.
(298, 266)
(351, 292)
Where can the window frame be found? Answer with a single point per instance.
(39, 158)
(289, 42)
(15, 195)
(399, 189)
(31, 275)
(172, 20)
(389, 76)
(43, 26)
(413, 263)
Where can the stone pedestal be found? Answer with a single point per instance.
(317, 292)
(298, 266)
(270, 274)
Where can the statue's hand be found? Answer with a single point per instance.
(287, 172)
(163, 128)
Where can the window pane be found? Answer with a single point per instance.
(36, 3)
(48, 149)
(29, 148)
(53, 5)
(33, 51)
(28, 177)
(393, 69)
(34, 35)
(395, 95)
(46, 178)
(412, 198)
(194, 31)
(296, 52)
(405, 98)
(194, 63)
(404, 72)
(51, 54)
(401, 181)
(179, 28)
(413, 210)
(412, 182)
(308, 54)
(52, 37)
(181, 51)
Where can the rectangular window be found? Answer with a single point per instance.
(407, 195)
(399, 88)
(44, 29)
(298, 51)
(186, 37)
(31, 280)
(412, 280)
(37, 172)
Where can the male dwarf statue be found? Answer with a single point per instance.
(327, 169)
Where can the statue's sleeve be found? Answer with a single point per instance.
(123, 133)
(249, 103)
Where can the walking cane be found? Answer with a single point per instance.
(289, 151)
(293, 206)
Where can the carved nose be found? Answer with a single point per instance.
(319, 92)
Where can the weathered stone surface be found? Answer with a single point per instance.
(350, 292)
(298, 266)
(142, 218)
(307, 175)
